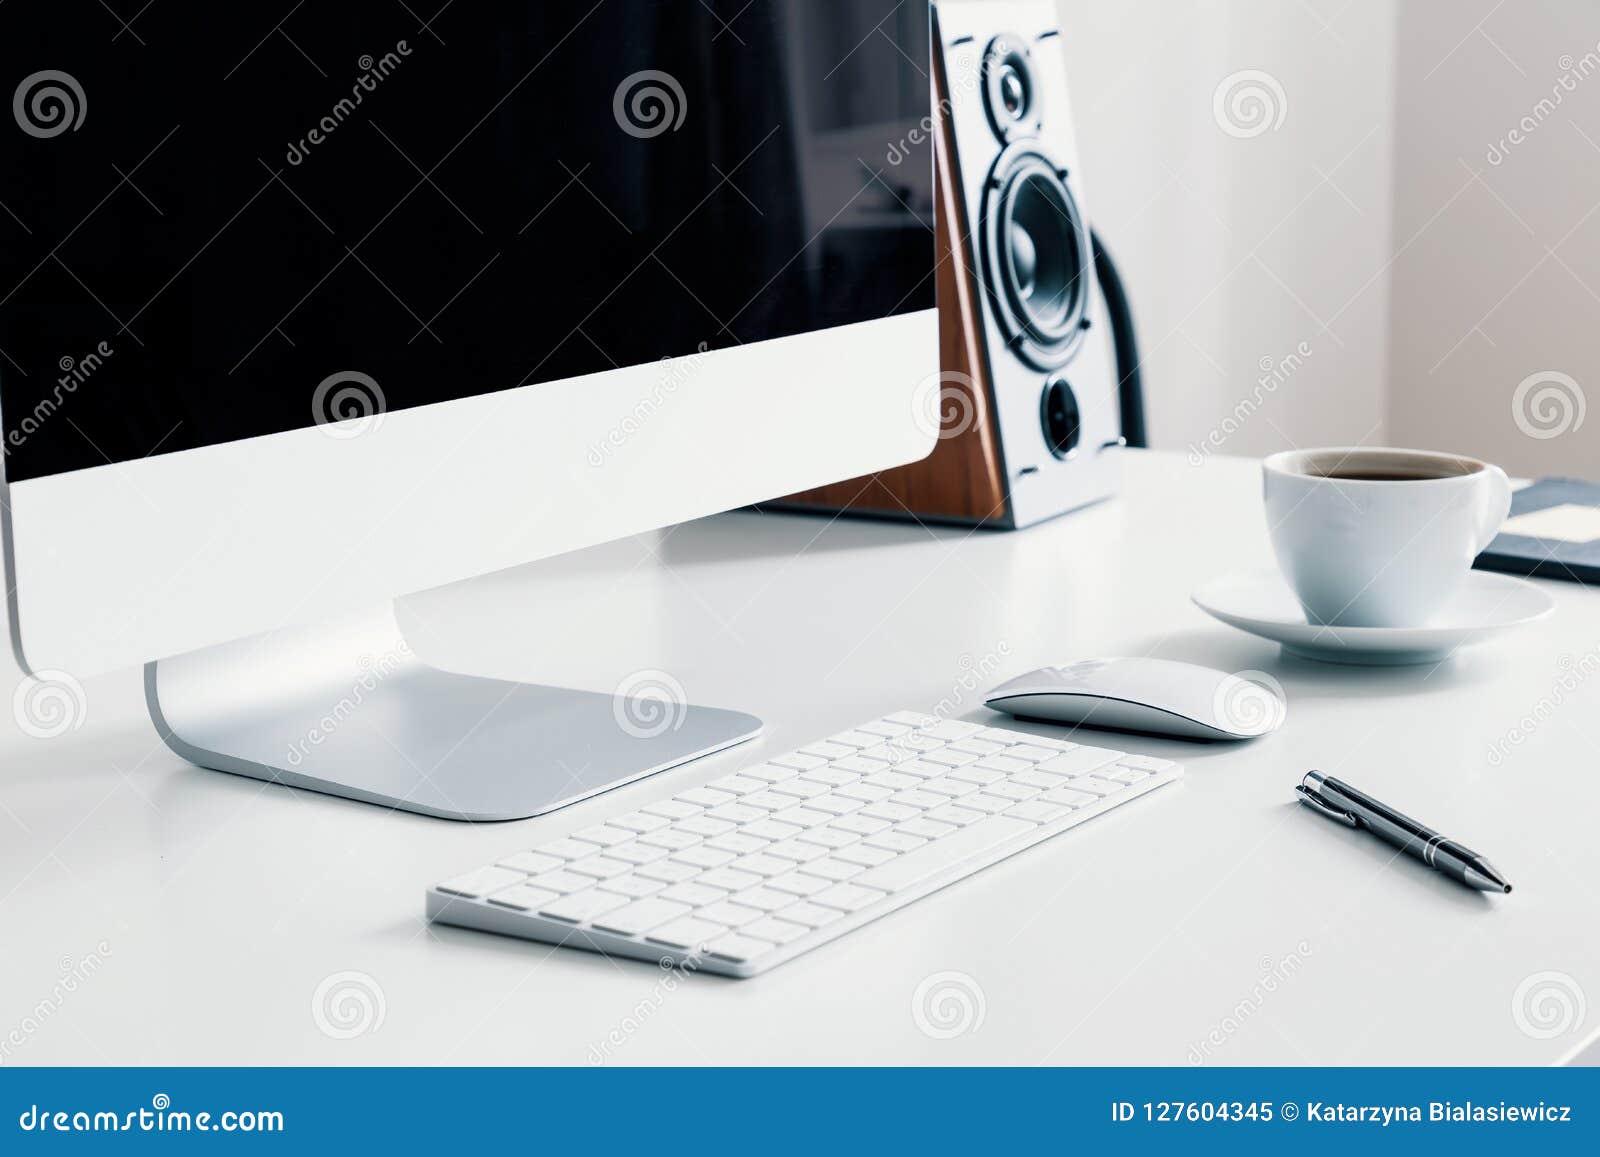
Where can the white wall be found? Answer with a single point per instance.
(1498, 216)
(1237, 250)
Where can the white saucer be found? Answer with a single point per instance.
(1262, 603)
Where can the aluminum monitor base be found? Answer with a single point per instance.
(350, 711)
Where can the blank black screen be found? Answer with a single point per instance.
(206, 211)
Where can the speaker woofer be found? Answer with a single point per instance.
(1036, 258)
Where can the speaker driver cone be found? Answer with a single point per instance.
(1036, 258)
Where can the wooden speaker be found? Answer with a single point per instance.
(1026, 401)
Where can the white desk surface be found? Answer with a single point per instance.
(222, 903)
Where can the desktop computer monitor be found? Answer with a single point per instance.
(305, 312)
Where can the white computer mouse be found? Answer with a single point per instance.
(1157, 696)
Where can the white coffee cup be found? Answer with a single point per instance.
(1380, 537)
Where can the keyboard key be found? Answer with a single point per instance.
(921, 768)
(835, 869)
(951, 730)
(827, 750)
(600, 867)
(947, 758)
(562, 882)
(639, 917)
(867, 857)
(1004, 764)
(924, 827)
(861, 825)
(866, 793)
(981, 837)
(858, 765)
(1037, 813)
(729, 913)
(848, 897)
(705, 797)
(797, 851)
(776, 930)
(532, 862)
(797, 883)
(689, 932)
(768, 801)
(581, 906)
(802, 817)
(952, 814)
(635, 885)
(704, 825)
(763, 865)
(1039, 779)
(769, 773)
(809, 914)
(730, 878)
(1128, 774)
(856, 739)
(704, 857)
(1093, 785)
(672, 809)
(698, 895)
(735, 813)
(827, 837)
(954, 788)
(889, 753)
(1146, 762)
(893, 780)
(668, 871)
(569, 849)
(637, 853)
(836, 805)
(832, 777)
(1069, 798)
(738, 843)
(483, 882)
(801, 787)
(640, 822)
(885, 728)
(797, 761)
(771, 830)
(896, 842)
(523, 898)
(738, 949)
(765, 898)
(1032, 752)
(986, 803)
(1079, 760)
(1016, 792)
(977, 746)
(893, 812)
(976, 775)
(737, 784)
(605, 835)
(917, 798)
(671, 839)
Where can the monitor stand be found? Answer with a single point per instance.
(349, 710)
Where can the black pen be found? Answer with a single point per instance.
(1341, 802)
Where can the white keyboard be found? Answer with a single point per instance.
(762, 865)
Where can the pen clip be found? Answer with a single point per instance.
(1317, 803)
